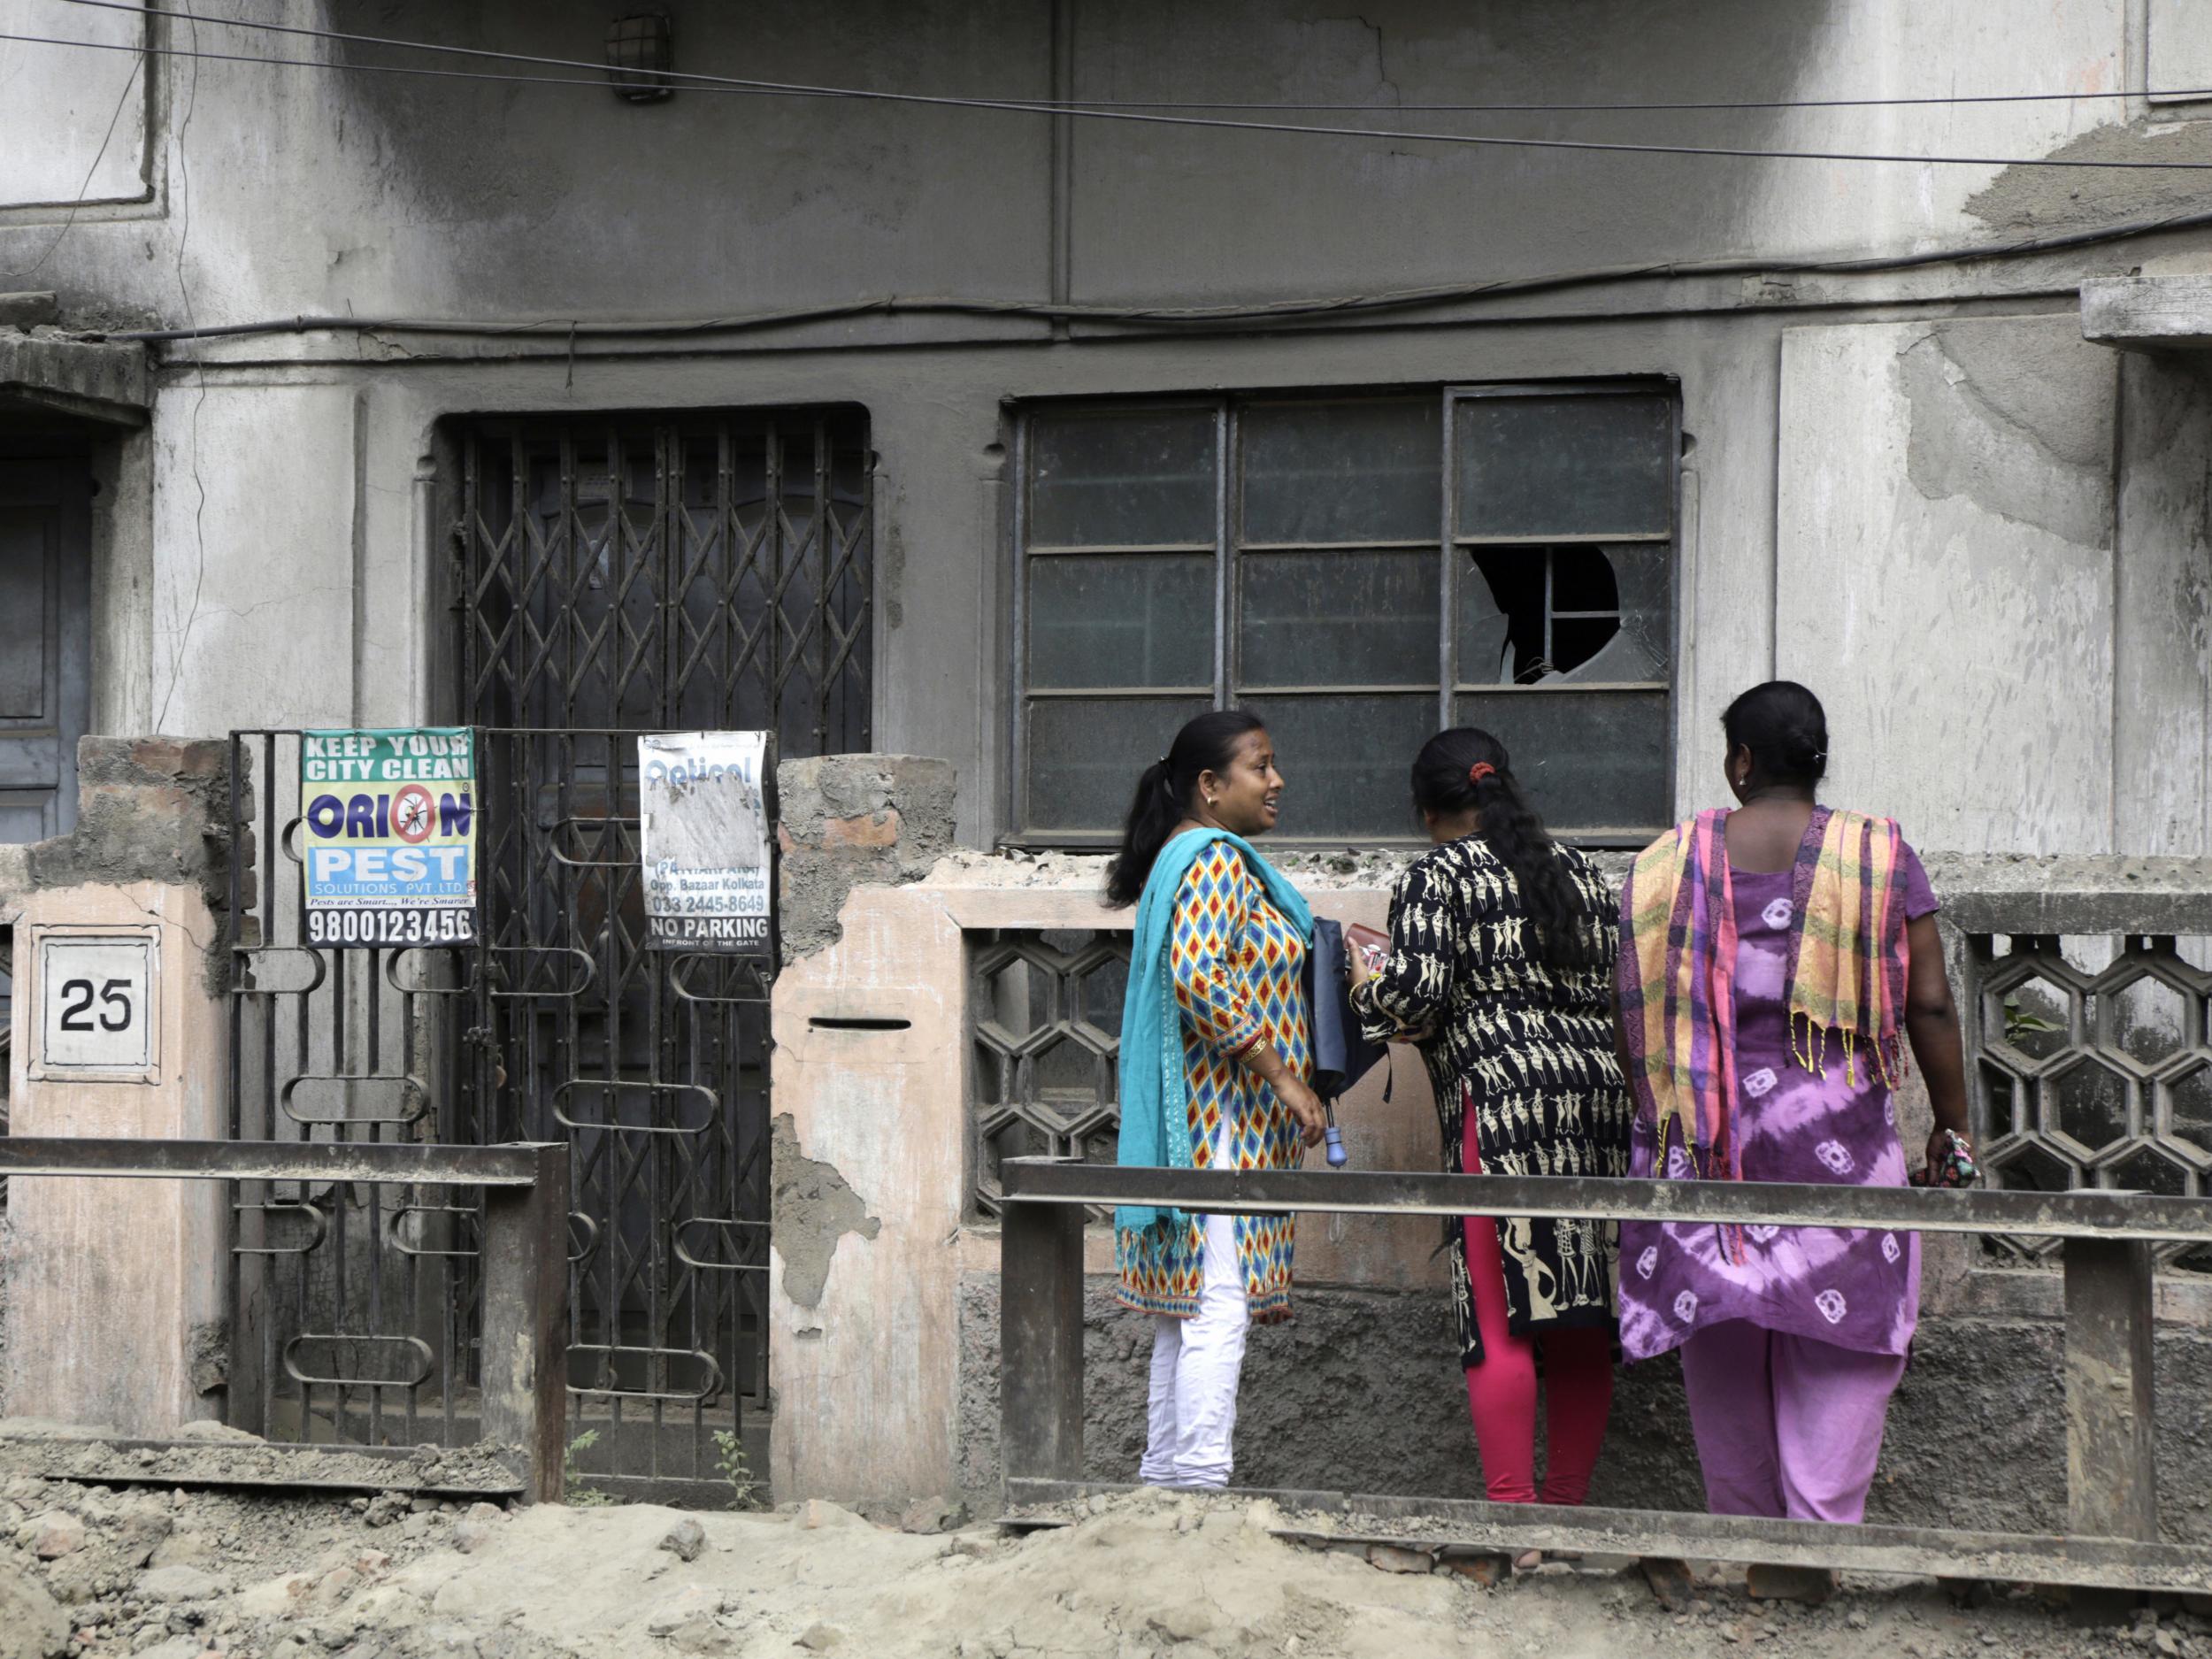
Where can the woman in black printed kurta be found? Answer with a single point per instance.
(1499, 970)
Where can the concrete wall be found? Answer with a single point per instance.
(884, 1356)
(116, 1290)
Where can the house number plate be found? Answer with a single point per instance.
(97, 1003)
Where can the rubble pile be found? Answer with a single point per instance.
(87, 1571)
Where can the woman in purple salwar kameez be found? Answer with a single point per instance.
(1783, 947)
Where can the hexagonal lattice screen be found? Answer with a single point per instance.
(2095, 1070)
(1045, 1024)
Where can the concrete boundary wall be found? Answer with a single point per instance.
(884, 1352)
(116, 1291)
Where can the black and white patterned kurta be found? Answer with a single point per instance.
(1528, 1049)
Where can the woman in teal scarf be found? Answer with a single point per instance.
(1215, 1067)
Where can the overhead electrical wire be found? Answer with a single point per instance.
(571, 330)
(1070, 106)
(798, 89)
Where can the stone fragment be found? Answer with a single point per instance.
(468, 1535)
(1671, 1586)
(488, 1513)
(31, 1625)
(1184, 1621)
(52, 1535)
(685, 1539)
(699, 1634)
(177, 1584)
(1393, 1558)
(385, 1508)
(941, 1514)
(1487, 1570)
(821, 1637)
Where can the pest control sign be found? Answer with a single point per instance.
(705, 840)
(387, 836)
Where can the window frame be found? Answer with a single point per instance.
(1229, 550)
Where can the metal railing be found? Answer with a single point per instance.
(522, 1256)
(2107, 1243)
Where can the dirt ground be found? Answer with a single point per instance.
(101, 1571)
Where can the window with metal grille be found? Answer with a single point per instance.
(669, 573)
(1357, 571)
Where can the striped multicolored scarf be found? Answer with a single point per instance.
(1678, 963)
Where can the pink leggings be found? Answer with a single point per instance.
(1501, 1389)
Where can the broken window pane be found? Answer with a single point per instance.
(1342, 472)
(1086, 755)
(1139, 480)
(1346, 761)
(1590, 760)
(1338, 619)
(1533, 615)
(1565, 467)
(1116, 620)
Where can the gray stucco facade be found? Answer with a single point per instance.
(1917, 471)
(1867, 450)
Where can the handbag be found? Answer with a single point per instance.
(1341, 1056)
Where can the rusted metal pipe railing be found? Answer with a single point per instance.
(2112, 1541)
(524, 1255)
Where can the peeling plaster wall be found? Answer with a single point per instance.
(1945, 575)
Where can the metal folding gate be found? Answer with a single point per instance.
(639, 576)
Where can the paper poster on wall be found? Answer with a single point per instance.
(387, 836)
(705, 839)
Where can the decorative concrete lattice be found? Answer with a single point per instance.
(1046, 1027)
(2093, 1067)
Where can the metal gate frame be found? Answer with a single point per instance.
(356, 1310)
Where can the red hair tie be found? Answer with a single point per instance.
(1480, 770)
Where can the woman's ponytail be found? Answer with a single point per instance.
(1207, 743)
(1466, 767)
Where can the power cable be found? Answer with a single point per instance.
(1077, 105)
(84, 189)
(1191, 317)
(1399, 135)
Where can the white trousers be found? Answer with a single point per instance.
(1192, 1414)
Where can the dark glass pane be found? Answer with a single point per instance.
(1122, 619)
(1338, 619)
(1344, 761)
(1502, 615)
(1124, 480)
(1590, 760)
(1342, 472)
(1541, 466)
(1085, 756)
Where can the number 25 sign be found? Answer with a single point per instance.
(98, 1018)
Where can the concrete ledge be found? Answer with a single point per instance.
(108, 383)
(1996, 893)
(2148, 313)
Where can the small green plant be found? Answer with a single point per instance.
(729, 1458)
(578, 1495)
(2020, 1023)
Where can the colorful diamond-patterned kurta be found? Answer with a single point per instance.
(1238, 970)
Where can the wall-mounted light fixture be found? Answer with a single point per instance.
(641, 48)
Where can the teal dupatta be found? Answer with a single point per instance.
(1154, 1110)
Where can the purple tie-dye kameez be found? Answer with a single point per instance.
(1856, 1288)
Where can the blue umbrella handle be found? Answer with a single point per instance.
(1334, 1139)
